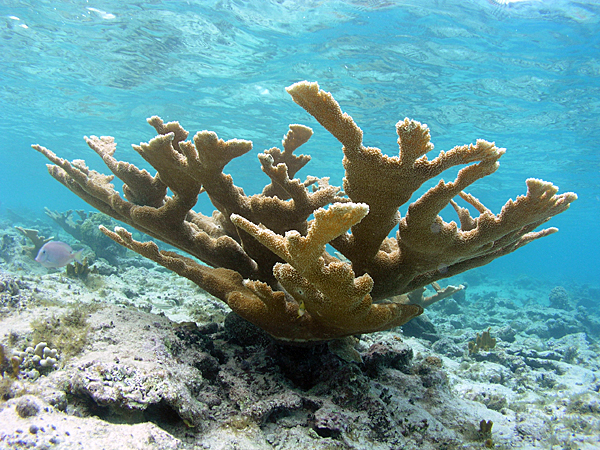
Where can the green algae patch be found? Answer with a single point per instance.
(67, 332)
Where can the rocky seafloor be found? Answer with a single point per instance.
(131, 356)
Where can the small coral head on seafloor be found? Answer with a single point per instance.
(266, 258)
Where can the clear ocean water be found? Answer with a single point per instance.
(525, 74)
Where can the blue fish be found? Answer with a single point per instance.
(56, 254)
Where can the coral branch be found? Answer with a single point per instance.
(269, 262)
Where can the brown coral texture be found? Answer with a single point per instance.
(263, 256)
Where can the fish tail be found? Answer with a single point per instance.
(78, 256)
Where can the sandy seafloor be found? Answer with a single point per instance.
(145, 360)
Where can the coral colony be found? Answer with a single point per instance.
(268, 262)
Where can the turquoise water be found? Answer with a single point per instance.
(524, 74)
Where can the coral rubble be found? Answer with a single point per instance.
(268, 261)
